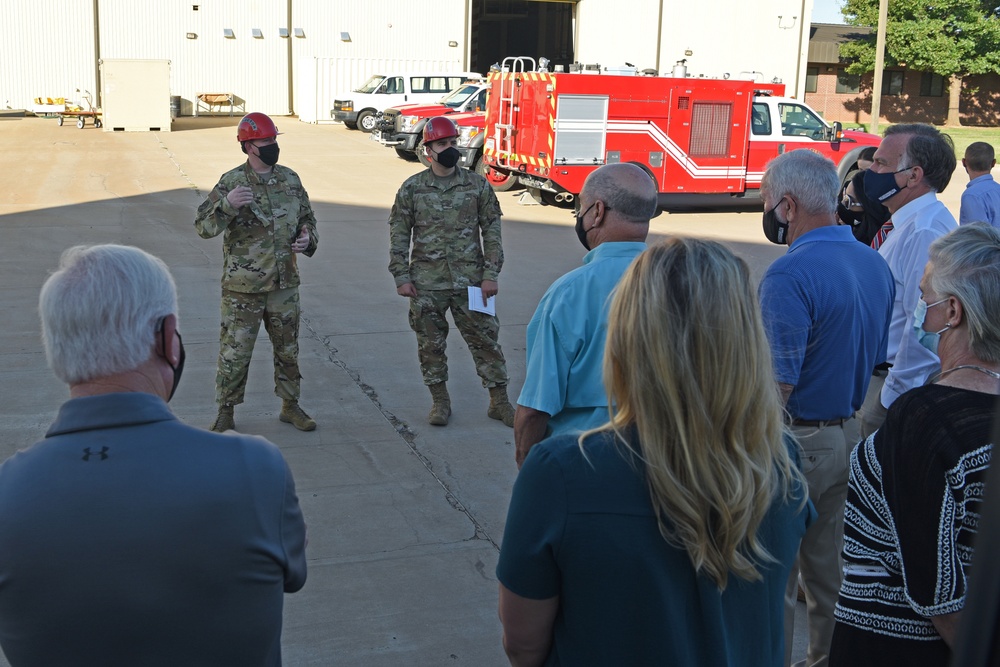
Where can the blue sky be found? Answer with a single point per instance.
(827, 11)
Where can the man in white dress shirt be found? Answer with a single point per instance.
(914, 162)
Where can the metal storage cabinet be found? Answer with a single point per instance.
(135, 95)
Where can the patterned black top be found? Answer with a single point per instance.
(912, 509)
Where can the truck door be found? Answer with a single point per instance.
(580, 129)
(706, 140)
(780, 125)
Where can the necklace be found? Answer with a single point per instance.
(940, 374)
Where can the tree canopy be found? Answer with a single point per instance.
(946, 37)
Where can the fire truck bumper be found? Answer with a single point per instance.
(532, 182)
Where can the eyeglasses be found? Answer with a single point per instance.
(850, 202)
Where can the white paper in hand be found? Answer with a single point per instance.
(476, 302)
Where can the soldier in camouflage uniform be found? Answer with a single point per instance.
(267, 219)
(452, 218)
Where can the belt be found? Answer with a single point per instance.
(820, 423)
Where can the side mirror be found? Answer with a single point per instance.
(838, 134)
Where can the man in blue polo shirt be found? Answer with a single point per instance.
(826, 305)
(563, 386)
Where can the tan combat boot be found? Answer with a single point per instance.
(292, 414)
(441, 409)
(500, 407)
(224, 421)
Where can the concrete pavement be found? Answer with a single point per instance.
(404, 519)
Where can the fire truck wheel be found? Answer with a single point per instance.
(350, 125)
(366, 121)
(501, 182)
(421, 155)
(409, 156)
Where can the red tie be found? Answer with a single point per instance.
(881, 234)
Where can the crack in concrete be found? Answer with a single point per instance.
(401, 428)
(180, 170)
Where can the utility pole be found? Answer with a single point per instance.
(883, 18)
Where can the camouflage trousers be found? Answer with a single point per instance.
(241, 317)
(480, 331)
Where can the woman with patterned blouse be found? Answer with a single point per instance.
(916, 484)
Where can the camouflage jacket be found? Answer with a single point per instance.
(257, 247)
(454, 226)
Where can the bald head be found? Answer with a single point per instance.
(625, 189)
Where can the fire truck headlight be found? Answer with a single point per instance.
(466, 135)
(408, 124)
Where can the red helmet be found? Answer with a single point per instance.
(255, 125)
(440, 127)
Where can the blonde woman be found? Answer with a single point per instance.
(666, 536)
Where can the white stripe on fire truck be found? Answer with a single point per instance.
(675, 151)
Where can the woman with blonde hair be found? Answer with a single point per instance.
(666, 536)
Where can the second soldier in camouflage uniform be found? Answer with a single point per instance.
(452, 218)
(267, 219)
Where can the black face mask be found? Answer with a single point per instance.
(775, 230)
(179, 368)
(449, 157)
(268, 154)
(580, 232)
(881, 187)
(847, 216)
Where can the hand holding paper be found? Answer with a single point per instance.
(477, 300)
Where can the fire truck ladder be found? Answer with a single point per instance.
(509, 84)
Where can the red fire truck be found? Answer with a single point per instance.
(704, 141)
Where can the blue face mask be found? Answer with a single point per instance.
(926, 338)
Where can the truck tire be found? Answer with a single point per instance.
(350, 125)
(409, 156)
(366, 120)
(501, 182)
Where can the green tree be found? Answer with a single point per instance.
(952, 38)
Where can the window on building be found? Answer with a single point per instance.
(892, 83)
(931, 85)
(848, 83)
(812, 73)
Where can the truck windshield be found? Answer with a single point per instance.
(459, 96)
(798, 120)
(371, 84)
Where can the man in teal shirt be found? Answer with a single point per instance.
(563, 388)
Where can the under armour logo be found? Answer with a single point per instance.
(87, 453)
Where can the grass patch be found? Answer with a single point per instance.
(961, 136)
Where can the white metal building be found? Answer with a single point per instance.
(293, 56)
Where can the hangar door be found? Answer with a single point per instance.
(536, 28)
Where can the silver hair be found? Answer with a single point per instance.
(100, 309)
(806, 176)
(966, 265)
